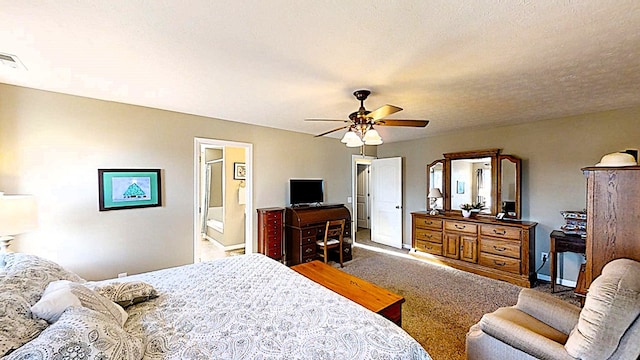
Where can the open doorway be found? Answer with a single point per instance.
(223, 199)
(377, 202)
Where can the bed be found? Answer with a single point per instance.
(240, 307)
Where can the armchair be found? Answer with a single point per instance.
(541, 326)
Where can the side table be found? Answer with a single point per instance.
(561, 242)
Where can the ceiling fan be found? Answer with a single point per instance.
(361, 122)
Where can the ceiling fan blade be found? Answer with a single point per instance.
(396, 122)
(383, 111)
(326, 120)
(330, 131)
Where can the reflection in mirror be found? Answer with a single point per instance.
(471, 183)
(435, 179)
(509, 186)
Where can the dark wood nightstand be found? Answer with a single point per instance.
(561, 242)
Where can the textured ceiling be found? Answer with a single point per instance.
(459, 64)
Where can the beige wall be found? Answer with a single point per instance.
(51, 145)
(553, 152)
(233, 210)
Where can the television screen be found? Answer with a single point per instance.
(306, 191)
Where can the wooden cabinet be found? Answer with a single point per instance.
(305, 225)
(271, 232)
(613, 217)
(497, 249)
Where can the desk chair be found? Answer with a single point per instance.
(333, 233)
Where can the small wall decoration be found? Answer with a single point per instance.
(460, 187)
(128, 188)
(239, 171)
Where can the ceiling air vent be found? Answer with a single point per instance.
(11, 61)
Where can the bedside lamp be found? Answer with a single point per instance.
(434, 195)
(18, 214)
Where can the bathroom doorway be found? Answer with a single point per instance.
(223, 201)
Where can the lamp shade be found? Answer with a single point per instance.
(434, 193)
(349, 135)
(354, 141)
(18, 214)
(371, 137)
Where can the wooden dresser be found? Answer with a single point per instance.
(271, 232)
(305, 225)
(613, 217)
(497, 249)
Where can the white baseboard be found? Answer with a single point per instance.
(562, 282)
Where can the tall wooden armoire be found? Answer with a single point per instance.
(613, 216)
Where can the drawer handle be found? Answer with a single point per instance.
(429, 236)
(460, 226)
(430, 223)
(308, 250)
(499, 248)
(503, 232)
(499, 263)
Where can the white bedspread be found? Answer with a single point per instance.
(252, 307)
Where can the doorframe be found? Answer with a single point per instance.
(198, 144)
(355, 161)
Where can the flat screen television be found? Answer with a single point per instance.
(306, 191)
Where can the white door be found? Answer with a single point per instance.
(386, 201)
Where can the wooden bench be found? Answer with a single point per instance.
(355, 289)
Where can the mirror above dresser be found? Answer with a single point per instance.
(480, 176)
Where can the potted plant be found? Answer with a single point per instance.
(467, 209)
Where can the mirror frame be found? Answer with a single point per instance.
(518, 163)
(490, 153)
(443, 189)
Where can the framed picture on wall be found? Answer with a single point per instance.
(239, 171)
(460, 187)
(128, 188)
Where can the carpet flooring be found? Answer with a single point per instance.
(441, 302)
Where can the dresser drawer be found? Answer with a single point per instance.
(506, 232)
(274, 216)
(309, 232)
(308, 240)
(428, 223)
(428, 235)
(274, 233)
(500, 262)
(429, 247)
(308, 250)
(500, 247)
(275, 253)
(459, 226)
(272, 244)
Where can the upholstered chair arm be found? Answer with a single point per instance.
(505, 324)
(550, 310)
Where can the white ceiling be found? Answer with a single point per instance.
(459, 64)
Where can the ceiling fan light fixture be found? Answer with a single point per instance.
(354, 141)
(349, 135)
(371, 137)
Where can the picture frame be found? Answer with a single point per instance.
(459, 187)
(239, 171)
(129, 188)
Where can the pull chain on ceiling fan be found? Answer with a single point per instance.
(360, 124)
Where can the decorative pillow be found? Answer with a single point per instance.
(92, 300)
(81, 333)
(55, 300)
(28, 275)
(611, 306)
(17, 327)
(125, 293)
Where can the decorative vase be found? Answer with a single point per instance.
(466, 213)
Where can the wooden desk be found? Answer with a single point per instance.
(355, 289)
(561, 242)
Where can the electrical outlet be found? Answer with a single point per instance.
(121, 275)
(544, 256)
